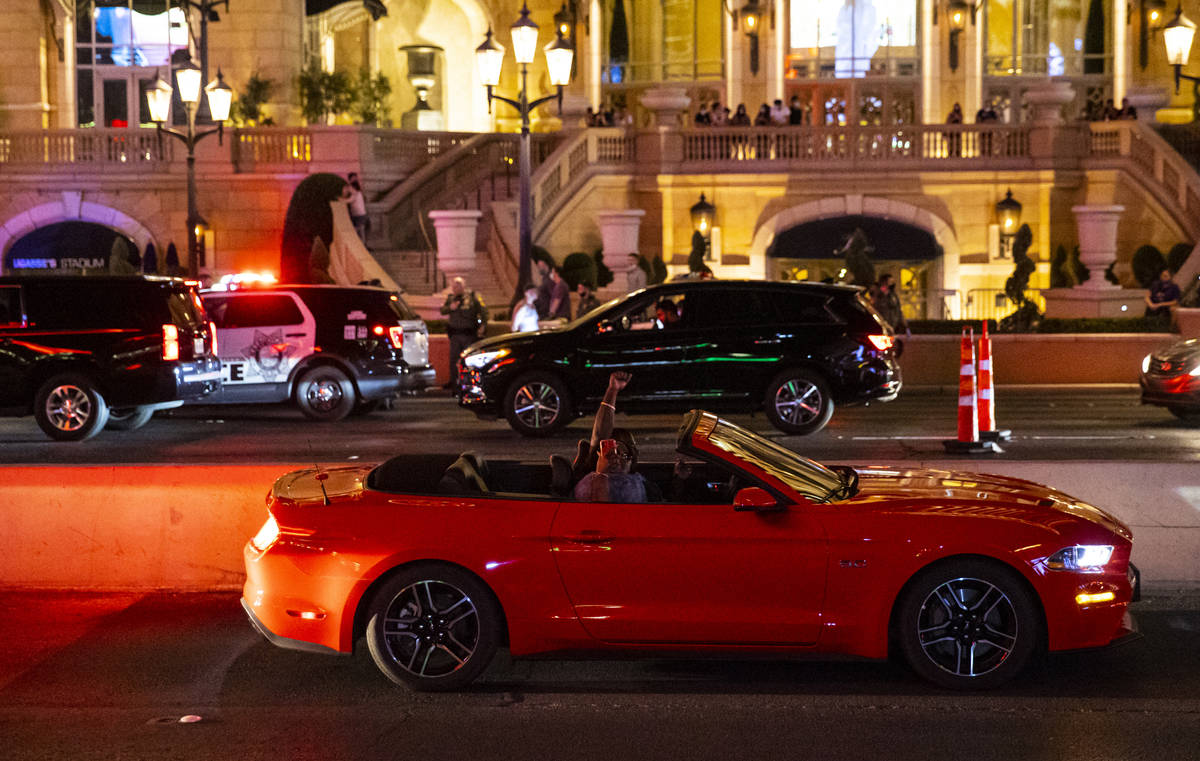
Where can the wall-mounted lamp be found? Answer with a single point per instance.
(751, 21)
(957, 14)
(1152, 13)
(702, 222)
(1008, 213)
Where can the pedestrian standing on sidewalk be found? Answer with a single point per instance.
(466, 322)
(358, 208)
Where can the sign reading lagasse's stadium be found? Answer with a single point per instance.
(72, 263)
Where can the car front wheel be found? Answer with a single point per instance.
(537, 404)
(325, 394)
(799, 402)
(129, 418)
(433, 627)
(69, 407)
(968, 625)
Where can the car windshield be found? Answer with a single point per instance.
(810, 478)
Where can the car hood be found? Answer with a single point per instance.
(963, 493)
(514, 340)
(1181, 351)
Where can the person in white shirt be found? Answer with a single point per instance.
(780, 113)
(636, 276)
(525, 317)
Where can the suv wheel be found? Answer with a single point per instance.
(799, 402)
(69, 407)
(129, 418)
(325, 394)
(537, 404)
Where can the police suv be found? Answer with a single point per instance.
(333, 350)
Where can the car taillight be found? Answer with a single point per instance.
(882, 342)
(212, 337)
(170, 346)
(396, 334)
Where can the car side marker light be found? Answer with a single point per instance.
(1084, 598)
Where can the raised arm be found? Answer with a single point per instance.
(603, 425)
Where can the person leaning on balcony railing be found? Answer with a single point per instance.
(703, 117)
(1127, 110)
(954, 139)
(720, 114)
(740, 118)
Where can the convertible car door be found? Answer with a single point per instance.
(670, 573)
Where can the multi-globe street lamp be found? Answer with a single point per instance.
(220, 96)
(490, 59)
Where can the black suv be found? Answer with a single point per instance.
(791, 349)
(334, 350)
(80, 353)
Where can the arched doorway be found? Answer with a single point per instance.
(71, 247)
(810, 251)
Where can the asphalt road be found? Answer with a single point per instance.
(109, 677)
(1086, 423)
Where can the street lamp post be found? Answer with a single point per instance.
(490, 58)
(1177, 37)
(220, 95)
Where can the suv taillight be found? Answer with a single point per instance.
(170, 346)
(212, 337)
(396, 336)
(882, 342)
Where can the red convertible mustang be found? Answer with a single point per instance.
(440, 560)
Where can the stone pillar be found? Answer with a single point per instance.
(1097, 242)
(660, 147)
(1046, 101)
(619, 238)
(456, 241)
(1147, 100)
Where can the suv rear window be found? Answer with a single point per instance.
(338, 304)
(185, 307)
(80, 305)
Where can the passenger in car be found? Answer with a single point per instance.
(611, 481)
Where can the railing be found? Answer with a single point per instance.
(853, 146)
(994, 304)
(275, 149)
(1144, 153)
(564, 172)
(67, 150)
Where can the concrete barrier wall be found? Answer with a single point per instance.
(1017, 359)
(183, 527)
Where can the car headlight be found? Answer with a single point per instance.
(1146, 364)
(482, 359)
(1087, 558)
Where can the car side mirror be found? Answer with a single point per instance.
(755, 499)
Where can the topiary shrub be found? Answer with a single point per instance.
(658, 270)
(308, 216)
(1147, 262)
(579, 268)
(604, 275)
(1177, 256)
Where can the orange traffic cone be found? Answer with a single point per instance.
(968, 441)
(987, 400)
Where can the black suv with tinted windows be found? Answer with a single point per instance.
(333, 350)
(790, 349)
(80, 353)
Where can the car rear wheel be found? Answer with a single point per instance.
(799, 402)
(537, 404)
(968, 625)
(325, 394)
(129, 418)
(1186, 414)
(69, 407)
(433, 627)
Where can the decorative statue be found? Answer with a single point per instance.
(1027, 315)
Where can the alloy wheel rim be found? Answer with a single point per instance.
(967, 627)
(431, 629)
(324, 394)
(798, 401)
(537, 404)
(68, 408)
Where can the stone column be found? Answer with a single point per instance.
(619, 238)
(456, 241)
(660, 147)
(1046, 101)
(1097, 242)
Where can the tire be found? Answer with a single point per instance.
(537, 404)
(433, 627)
(969, 625)
(1186, 414)
(128, 418)
(798, 402)
(325, 394)
(69, 407)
